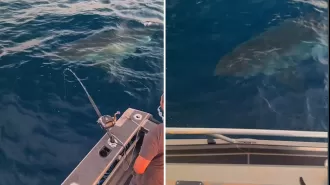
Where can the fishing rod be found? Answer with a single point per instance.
(106, 121)
(88, 95)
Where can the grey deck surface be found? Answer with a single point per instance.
(209, 174)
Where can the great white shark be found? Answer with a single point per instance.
(277, 49)
(108, 45)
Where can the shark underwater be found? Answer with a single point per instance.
(277, 50)
(110, 45)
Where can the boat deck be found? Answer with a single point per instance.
(227, 161)
(108, 164)
(232, 174)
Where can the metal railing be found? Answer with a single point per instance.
(220, 132)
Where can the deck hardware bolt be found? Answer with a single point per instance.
(137, 116)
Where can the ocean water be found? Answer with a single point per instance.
(200, 32)
(47, 124)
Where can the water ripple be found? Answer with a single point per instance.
(46, 123)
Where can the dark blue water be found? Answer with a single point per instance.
(200, 32)
(47, 124)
